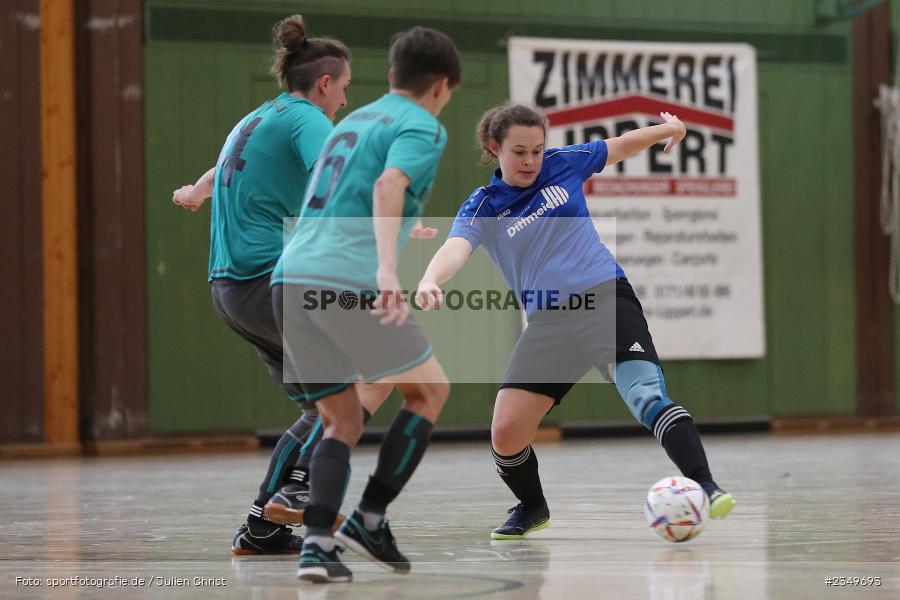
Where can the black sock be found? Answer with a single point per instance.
(283, 457)
(520, 474)
(675, 430)
(401, 451)
(329, 475)
(300, 472)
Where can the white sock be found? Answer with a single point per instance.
(371, 520)
(326, 543)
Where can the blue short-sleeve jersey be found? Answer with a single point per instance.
(542, 236)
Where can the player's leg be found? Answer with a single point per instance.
(341, 418)
(640, 381)
(642, 385)
(550, 355)
(517, 415)
(287, 504)
(246, 307)
(425, 390)
(371, 396)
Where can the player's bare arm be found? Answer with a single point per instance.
(630, 143)
(193, 196)
(387, 209)
(446, 263)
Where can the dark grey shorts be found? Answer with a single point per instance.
(246, 306)
(558, 348)
(331, 340)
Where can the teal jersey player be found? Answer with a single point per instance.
(392, 132)
(258, 184)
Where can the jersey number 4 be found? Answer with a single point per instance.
(234, 161)
(336, 162)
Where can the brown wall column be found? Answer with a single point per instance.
(874, 308)
(21, 296)
(60, 231)
(111, 220)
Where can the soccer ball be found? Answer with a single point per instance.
(677, 509)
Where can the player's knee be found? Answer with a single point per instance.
(440, 392)
(432, 394)
(507, 436)
(346, 430)
(641, 385)
(343, 420)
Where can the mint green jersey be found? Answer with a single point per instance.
(333, 243)
(261, 178)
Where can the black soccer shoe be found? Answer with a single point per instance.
(318, 566)
(261, 537)
(522, 521)
(378, 546)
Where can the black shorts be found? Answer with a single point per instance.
(246, 307)
(332, 341)
(579, 344)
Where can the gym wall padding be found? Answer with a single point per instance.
(206, 66)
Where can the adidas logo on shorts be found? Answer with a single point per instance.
(635, 347)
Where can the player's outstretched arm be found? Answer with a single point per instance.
(387, 210)
(445, 263)
(630, 143)
(193, 196)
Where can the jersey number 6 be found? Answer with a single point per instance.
(336, 162)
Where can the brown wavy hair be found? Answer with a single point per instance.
(495, 123)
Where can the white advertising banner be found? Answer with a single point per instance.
(686, 224)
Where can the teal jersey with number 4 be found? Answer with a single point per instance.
(333, 243)
(261, 178)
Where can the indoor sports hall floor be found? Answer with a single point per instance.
(809, 508)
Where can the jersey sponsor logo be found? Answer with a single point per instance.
(554, 197)
(636, 347)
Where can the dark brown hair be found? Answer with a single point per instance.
(300, 61)
(495, 124)
(421, 56)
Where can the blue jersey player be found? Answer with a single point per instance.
(533, 221)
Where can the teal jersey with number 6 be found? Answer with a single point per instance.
(261, 178)
(333, 243)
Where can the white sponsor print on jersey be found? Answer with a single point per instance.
(635, 347)
(554, 197)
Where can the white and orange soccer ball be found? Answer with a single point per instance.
(677, 509)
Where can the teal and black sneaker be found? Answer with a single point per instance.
(258, 536)
(522, 521)
(378, 546)
(319, 566)
(721, 503)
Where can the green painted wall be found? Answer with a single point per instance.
(206, 66)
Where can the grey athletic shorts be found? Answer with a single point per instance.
(246, 306)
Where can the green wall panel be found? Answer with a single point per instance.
(201, 77)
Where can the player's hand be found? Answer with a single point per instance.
(419, 232)
(390, 301)
(429, 295)
(185, 198)
(679, 133)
